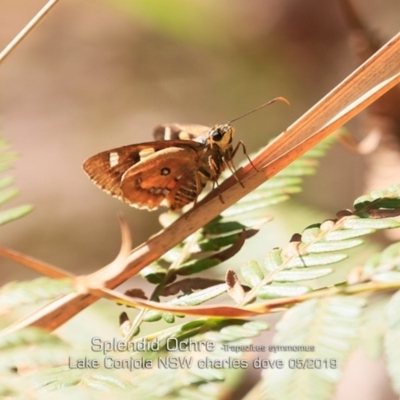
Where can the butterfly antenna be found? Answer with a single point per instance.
(262, 106)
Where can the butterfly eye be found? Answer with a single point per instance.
(165, 171)
(217, 135)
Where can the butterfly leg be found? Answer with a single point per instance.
(244, 152)
(214, 178)
(233, 170)
(216, 185)
(199, 187)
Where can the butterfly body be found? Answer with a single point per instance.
(171, 171)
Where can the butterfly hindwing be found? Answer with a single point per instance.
(161, 177)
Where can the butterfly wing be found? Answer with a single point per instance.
(150, 174)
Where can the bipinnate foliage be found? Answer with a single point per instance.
(392, 329)
(7, 192)
(188, 382)
(331, 326)
(328, 319)
(334, 325)
(19, 293)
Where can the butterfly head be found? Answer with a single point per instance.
(221, 136)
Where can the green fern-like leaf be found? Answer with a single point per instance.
(379, 201)
(201, 253)
(208, 370)
(77, 383)
(7, 193)
(201, 371)
(192, 299)
(216, 242)
(319, 246)
(15, 294)
(383, 267)
(392, 340)
(279, 188)
(14, 213)
(16, 350)
(328, 328)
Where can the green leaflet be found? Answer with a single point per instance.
(200, 296)
(251, 273)
(273, 260)
(6, 181)
(193, 299)
(305, 274)
(360, 223)
(387, 197)
(276, 291)
(324, 247)
(348, 234)
(7, 195)
(14, 213)
(218, 243)
(154, 273)
(195, 266)
(315, 260)
(218, 226)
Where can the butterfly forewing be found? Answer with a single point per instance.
(149, 174)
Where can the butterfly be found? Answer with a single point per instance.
(172, 170)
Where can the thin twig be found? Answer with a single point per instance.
(24, 32)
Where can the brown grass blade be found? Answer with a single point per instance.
(36, 265)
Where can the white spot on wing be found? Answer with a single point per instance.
(114, 159)
(183, 135)
(145, 153)
(167, 133)
(165, 203)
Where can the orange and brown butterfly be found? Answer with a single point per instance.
(170, 171)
